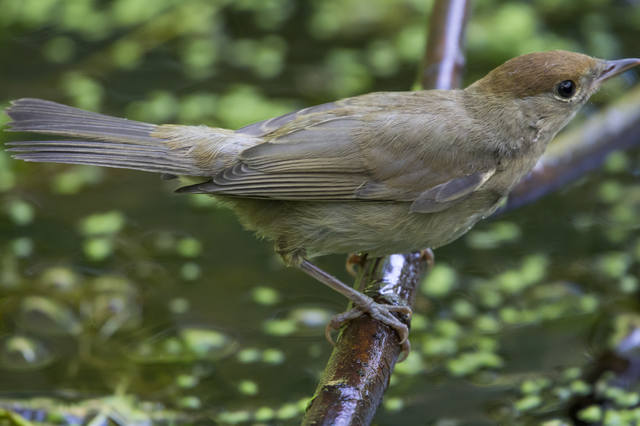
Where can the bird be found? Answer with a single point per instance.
(377, 174)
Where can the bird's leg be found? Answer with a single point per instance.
(362, 304)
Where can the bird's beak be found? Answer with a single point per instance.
(613, 68)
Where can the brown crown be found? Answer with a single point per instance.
(535, 73)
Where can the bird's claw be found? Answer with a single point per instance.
(338, 321)
(380, 312)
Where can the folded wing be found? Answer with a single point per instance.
(354, 150)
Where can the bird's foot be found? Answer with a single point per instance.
(355, 260)
(380, 312)
(363, 305)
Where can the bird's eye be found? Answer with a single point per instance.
(566, 89)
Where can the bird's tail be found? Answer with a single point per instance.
(107, 141)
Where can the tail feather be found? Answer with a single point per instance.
(150, 159)
(117, 142)
(123, 163)
(40, 116)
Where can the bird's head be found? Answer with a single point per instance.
(551, 86)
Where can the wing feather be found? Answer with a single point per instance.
(359, 149)
(441, 196)
(240, 180)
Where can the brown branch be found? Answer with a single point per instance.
(358, 371)
(578, 151)
(360, 366)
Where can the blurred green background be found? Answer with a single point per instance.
(123, 300)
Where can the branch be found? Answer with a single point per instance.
(444, 56)
(358, 371)
(360, 366)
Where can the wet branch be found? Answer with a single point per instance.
(443, 62)
(358, 371)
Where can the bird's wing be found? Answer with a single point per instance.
(357, 149)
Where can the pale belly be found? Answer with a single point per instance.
(377, 228)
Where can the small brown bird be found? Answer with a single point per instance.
(381, 173)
